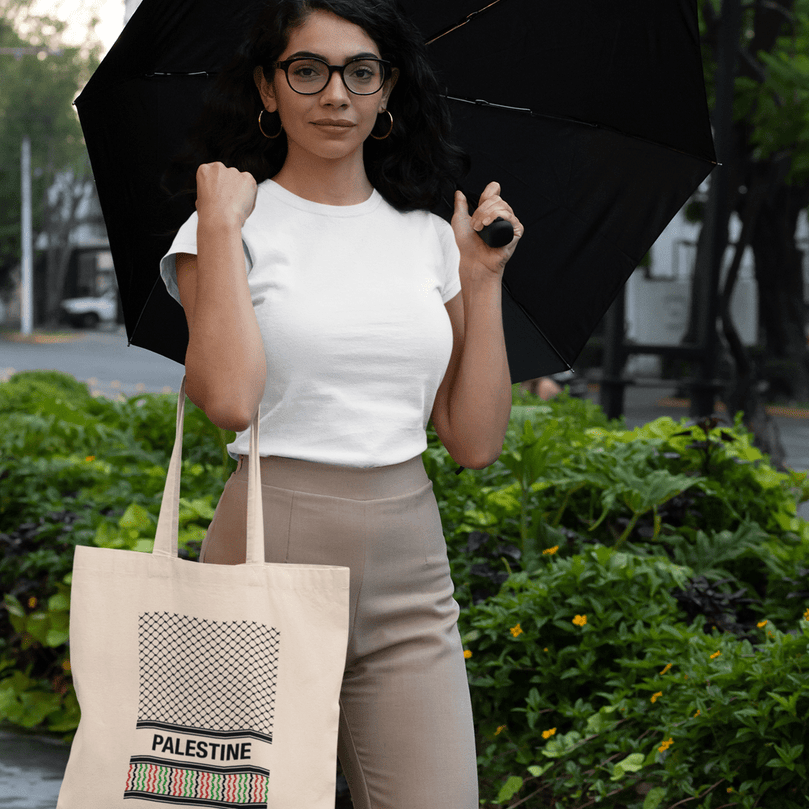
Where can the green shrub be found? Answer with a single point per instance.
(670, 545)
(588, 687)
(78, 470)
(701, 494)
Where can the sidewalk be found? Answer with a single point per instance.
(31, 770)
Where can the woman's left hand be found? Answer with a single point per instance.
(474, 251)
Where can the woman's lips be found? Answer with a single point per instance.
(331, 124)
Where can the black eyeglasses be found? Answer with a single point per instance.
(310, 75)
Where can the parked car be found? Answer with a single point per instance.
(89, 312)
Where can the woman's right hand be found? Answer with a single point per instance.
(225, 193)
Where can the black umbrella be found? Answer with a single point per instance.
(591, 115)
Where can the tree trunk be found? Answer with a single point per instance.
(744, 390)
(779, 275)
(59, 222)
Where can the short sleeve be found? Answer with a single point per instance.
(186, 242)
(451, 280)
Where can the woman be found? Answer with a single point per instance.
(360, 316)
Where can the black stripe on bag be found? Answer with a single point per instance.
(247, 769)
(211, 734)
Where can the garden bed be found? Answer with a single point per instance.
(633, 603)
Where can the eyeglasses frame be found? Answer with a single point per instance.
(386, 67)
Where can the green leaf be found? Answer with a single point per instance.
(137, 517)
(509, 789)
(60, 602)
(14, 606)
(56, 637)
(598, 722)
(37, 626)
(654, 797)
(632, 763)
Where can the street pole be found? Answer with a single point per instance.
(27, 273)
(27, 230)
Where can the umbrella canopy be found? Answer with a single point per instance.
(591, 115)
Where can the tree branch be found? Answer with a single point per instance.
(697, 797)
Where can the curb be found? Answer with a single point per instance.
(40, 338)
(771, 410)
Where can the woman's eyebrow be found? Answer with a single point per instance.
(311, 55)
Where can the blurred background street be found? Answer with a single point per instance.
(99, 357)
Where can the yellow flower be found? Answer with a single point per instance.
(546, 734)
(666, 668)
(697, 713)
(665, 746)
(32, 602)
(90, 458)
(516, 630)
(467, 654)
(656, 695)
(806, 615)
(761, 624)
(550, 551)
(66, 665)
(545, 649)
(715, 654)
(500, 730)
(730, 789)
(580, 620)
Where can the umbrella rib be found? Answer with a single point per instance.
(181, 73)
(480, 102)
(536, 325)
(463, 22)
(142, 311)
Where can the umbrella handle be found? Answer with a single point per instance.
(498, 234)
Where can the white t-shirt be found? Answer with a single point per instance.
(350, 303)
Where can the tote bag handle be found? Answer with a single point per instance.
(167, 535)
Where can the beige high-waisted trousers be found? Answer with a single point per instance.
(406, 734)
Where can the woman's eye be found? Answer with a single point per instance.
(307, 70)
(362, 73)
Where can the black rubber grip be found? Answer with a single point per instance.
(498, 234)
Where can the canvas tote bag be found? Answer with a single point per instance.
(204, 685)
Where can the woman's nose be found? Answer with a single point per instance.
(335, 92)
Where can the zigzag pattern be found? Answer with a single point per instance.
(166, 783)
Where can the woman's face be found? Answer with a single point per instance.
(307, 119)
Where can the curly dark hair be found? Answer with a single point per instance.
(417, 167)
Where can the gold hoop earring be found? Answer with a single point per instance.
(261, 128)
(383, 137)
